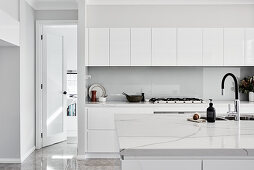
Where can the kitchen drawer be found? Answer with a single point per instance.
(228, 164)
(100, 118)
(161, 164)
(103, 118)
(102, 141)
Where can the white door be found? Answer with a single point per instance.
(189, 47)
(233, 47)
(164, 46)
(120, 42)
(141, 47)
(213, 47)
(53, 93)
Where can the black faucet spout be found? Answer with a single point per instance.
(235, 81)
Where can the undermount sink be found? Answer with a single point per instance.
(225, 118)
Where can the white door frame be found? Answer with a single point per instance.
(39, 32)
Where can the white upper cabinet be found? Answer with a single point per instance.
(98, 47)
(189, 47)
(249, 47)
(213, 47)
(140, 47)
(163, 46)
(120, 47)
(233, 47)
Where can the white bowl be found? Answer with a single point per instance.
(102, 99)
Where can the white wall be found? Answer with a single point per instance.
(11, 7)
(27, 78)
(171, 16)
(9, 104)
(69, 33)
(57, 15)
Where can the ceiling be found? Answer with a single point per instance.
(72, 4)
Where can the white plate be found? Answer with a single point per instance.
(100, 90)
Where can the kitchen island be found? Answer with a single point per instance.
(169, 141)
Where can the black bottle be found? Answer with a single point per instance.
(210, 113)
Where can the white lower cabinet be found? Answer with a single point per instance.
(102, 141)
(100, 127)
(161, 165)
(228, 164)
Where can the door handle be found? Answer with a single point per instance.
(65, 92)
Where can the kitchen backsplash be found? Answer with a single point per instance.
(200, 82)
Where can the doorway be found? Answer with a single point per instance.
(56, 82)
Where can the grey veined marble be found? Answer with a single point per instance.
(61, 156)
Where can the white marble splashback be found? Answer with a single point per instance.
(201, 82)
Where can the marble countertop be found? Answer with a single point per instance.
(142, 104)
(173, 135)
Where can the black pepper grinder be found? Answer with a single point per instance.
(143, 97)
(210, 113)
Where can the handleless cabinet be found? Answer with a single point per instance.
(140, 47)
(249, 47)
(163, 46)
(189, 47)
(213, 47)
(98, 47)
(228, 164)
(234, 47)
(120, 47)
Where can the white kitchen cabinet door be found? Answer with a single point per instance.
(164, 47)
(213, 47)
(189, 48)
(228, 164)
(233, 47)
(102, 141)
(100, 118)
(140, 47)
(161, 165)
(98, 47)
(120, 47)
(249, 47)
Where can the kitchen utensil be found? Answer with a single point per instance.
(93, 99)
(133, 98)
(100, 90)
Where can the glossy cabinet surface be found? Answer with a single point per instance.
(102, 141)
(140, 47)
(98, 47)
(249, 47)
(163, 46)
(170, 47)
(189, 47)
(161, 165)
(120, 47)
(213, 47)
(233, 47)
(228, 164)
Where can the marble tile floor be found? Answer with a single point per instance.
(61, 156)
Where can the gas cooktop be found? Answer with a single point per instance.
(176, 100)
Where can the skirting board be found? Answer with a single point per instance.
(9, 160)
(29, 152)
(17, 160)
